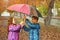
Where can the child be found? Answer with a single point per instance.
(13, 30)
(33, 28)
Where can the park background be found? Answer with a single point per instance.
(52, 32)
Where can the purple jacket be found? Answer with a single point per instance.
(13, 33)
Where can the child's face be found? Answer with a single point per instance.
(13, 21)
(34, 20)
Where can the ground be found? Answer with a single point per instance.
(46, 33)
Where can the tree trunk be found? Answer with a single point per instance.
(49, 13)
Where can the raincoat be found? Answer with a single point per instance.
(13, 33)
(33, 30)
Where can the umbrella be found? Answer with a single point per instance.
(38, 13)
(24, 8)
(35, 12)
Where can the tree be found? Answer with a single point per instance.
(49, 13)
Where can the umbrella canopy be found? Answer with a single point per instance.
(24, 8)
(38, 13)
(35, 12)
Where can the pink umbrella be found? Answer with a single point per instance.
(24, 8)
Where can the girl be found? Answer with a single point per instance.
(14, 29)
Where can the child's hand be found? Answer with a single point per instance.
(24, 17)
(22, 24)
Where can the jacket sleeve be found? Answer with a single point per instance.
(37, 26)
(31, 25)
(26, 28)
(12, 28)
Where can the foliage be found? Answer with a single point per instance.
(58, 13)
(42, 9)
(58, 4)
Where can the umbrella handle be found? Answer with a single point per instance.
(25, 22)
